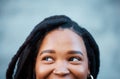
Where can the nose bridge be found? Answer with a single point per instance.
(61, 68)
(61, 65)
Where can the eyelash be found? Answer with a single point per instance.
(48, 59)
(71, 59)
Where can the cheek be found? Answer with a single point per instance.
(42, 70)
(80, 72)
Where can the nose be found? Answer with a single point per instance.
(61, 68)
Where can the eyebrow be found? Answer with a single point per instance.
(75, 52)
(69, 52)
(47, 51)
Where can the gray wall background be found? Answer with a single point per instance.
(100, 17)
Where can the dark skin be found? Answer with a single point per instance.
(62, 55)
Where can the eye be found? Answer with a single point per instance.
(48, 60)
(74, 59)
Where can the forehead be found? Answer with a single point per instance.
(63, 33)
(62, 39)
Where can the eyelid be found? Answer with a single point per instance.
(78, 60)
(47, 59)
(74, 57)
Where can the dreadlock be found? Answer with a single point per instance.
(23, 62)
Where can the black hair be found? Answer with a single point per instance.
(23, 62)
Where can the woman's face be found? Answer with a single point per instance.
(62, 55)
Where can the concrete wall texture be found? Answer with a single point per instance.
(100, 17)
